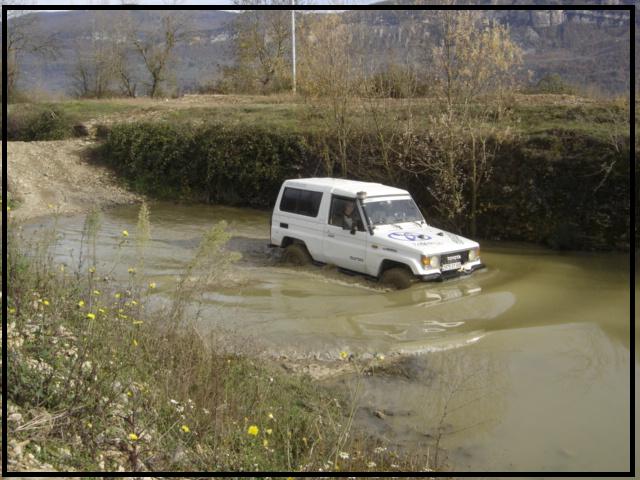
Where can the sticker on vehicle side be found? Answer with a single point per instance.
(408, 236)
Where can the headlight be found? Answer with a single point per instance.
(474, 254)
(433, 262)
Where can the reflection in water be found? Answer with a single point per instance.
(522, 366)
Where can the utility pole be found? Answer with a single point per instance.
(293, 43)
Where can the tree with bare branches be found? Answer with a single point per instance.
(156, 47)
(25, 36)
(472, 67)
(330, 74)
(262, 48)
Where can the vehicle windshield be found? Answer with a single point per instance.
(388, 212)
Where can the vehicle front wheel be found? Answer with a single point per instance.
(296, 254)
(397, 277)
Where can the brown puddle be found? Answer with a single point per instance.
(529, 358)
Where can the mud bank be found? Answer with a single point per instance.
(58, 177)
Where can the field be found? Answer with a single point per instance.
(534, 113)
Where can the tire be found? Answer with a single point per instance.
(397, 277)
(297, 254)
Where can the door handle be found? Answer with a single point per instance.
(330, 235)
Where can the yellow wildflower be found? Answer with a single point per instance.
(96, 292)
(92, 269)
(185, 429)
(102, 310)
(12, 310)
(253, 430)
(133, 437)
(89, 425)
(117, 295)
(269, 431)
(129, 394)
(50, 205)
(270, 416)
(131, 270)
(265, 443)
(137, 322)
(91, 316)
(125, 233)
(152, 285)
(62, 268)
(134, 343)
(46, 302)
(81, 303)
(343, 355)
(133, 302)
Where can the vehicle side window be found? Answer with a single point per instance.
(301, 202)
(344, 213)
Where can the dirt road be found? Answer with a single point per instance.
(57, 176)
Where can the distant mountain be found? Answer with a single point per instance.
(197, 61)
(586, 47)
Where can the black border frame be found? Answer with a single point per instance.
(632, 99)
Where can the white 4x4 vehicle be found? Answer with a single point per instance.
(367, 228)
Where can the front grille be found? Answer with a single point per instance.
(455, 257)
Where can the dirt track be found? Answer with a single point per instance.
(56, 176)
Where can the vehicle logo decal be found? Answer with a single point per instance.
(408, 236)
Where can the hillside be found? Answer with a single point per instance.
(589, 48)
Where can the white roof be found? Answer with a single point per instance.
(348, 188)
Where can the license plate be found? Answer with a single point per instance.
(451, 266)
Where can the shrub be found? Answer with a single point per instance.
(552, 83)
(39, 123)
(214, 163)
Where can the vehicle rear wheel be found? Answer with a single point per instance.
(397, 277)
(296, 254)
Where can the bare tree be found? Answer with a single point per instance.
(330, 74)
(474, 57)
(24, 36)
(123, 53)
(262, 47)
(93, 73)
(157, 47)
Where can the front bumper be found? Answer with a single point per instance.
(465, 270)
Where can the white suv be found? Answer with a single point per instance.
(367, 228)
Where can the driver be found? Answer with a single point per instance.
(347, 215)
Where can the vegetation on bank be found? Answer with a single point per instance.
(559, 178)
(558, 185)
(534, 113)
(99, 382)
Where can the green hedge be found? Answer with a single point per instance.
(212, 163)
(548, 189)
(544, 189)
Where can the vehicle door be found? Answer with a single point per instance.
(345, 239)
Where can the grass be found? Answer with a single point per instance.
(537, 113)
(99, 381)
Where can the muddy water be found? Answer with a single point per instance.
(522, 366)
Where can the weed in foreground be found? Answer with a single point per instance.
(99, 381)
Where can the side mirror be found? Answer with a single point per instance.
(353, 229)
